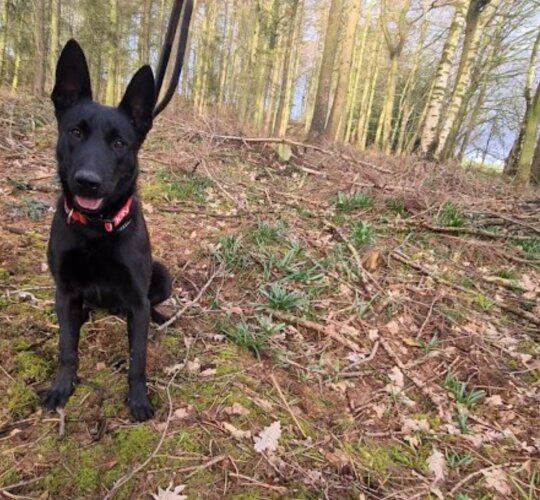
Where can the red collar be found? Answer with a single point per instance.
(109, 224)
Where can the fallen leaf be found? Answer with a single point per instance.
(372, 260)
(209, 372)
(268, 438)
(437, 465)
(494, 400)
(182, 413)
(193, 366)
(496, 480)
(236, 409)
(412, 425)
(171, 493)
(236, 433)
(396, 376)
(411, 342)
(100, 366)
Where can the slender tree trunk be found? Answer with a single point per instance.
(322, 99)
(511, 165)
(5, 24)
(368, 95)
(338, 107)
(145, 33)
(287, 77)
(54, 37)
(529, 143)
(359, 71)
(428, 142)
(477, 17)
(112, 56)
(40, 55)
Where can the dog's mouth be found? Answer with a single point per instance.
(90, 204)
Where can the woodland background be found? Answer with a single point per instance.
(447, 79)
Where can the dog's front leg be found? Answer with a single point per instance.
(69, 309)
(138, 322)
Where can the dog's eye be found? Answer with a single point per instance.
(119, 144)
(76, 132)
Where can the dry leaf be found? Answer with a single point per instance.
(236, 433)
(494, 400)
(396, 376)
(411, 425)
(496, 480)
(193, 366)
(236, 409)
(182, 413)
(372, 260)
(268, 438)
(171, 493)
(437, 465)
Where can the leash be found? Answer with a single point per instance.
(172, 28)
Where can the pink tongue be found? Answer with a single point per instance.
(88, 203)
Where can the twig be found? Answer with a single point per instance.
(5, 489)
(280, 489)
(362, 361)
(124, 479)
(472, 475)
(198, 468)
(285, 402)
(310, 325)
(177, 315)
(474, 232)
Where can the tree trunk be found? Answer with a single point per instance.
(284, 107)
(477, 17)
(510, 167)
(428, 140)
(145, 33)
(54, 37)
(40, 54)
(112, 55)
(529, 142)
(5, 23)
(338, 107)
(322, 99)
(535, 170)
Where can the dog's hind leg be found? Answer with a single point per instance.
(160, 290)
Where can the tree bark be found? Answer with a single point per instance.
(322, 99)
(338, 111)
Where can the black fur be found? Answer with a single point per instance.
(97, 159)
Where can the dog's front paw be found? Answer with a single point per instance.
(58, 394)
(139, 404)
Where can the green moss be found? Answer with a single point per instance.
(189, 442)
(32, 368)
(10, 476)
(88, 477)
(173, 343)
(134, 442)
(22, 400)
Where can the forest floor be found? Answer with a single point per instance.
(377, 319)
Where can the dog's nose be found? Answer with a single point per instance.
(88, 180)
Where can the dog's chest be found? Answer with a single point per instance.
(90, 269)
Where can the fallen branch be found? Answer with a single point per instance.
(474, 232)
(177, 315)
(289, 142)
(327, 331)
(506, 307)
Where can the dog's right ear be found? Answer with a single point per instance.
(72, 78)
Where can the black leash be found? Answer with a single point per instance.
(165, 55)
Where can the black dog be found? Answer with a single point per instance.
(99, 250)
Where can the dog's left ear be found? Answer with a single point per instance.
(139, 101)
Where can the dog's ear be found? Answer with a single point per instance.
(139, 101)
(72, 78)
